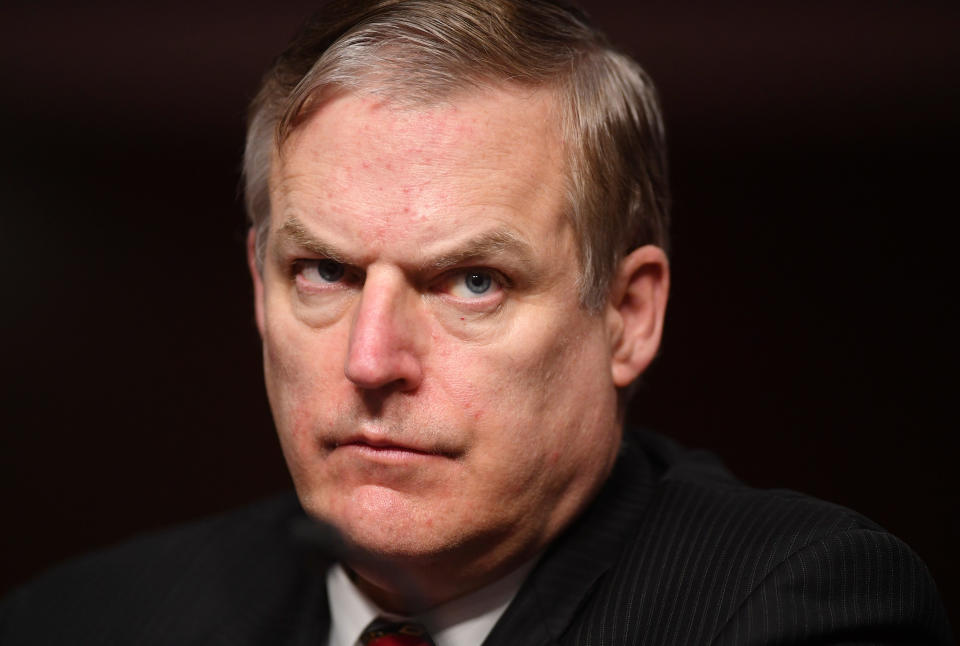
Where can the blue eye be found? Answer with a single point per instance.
(477, 282)
(472, 284)
(323, 271)
(330, 270)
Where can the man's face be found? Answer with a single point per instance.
(439, 393)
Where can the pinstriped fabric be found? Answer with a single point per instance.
(862, 584)
(707, 560)
(548, 600)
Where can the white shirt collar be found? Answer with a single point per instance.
(465, 621)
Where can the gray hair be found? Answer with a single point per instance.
(419, 52)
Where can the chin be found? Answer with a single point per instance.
(386, 523)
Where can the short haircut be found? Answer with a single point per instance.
(420, 52)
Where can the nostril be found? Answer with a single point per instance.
(396, 369)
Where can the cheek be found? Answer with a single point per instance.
(300, 386)
(551, 394)
(531, 378)
(550, 363)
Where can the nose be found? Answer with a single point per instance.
(383, 349)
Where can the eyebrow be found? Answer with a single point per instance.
(492, 243)
(294, 229)
(498, 242)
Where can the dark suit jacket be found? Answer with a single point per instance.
(673, 551)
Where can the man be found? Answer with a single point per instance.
(457, 249)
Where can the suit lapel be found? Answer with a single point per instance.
(550, 597)
(316, 545)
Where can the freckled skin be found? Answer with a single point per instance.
(517, 397)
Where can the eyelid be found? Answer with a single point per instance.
(497, 274)
(351, 275)
(499, 280)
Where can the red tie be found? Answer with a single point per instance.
(404, 633)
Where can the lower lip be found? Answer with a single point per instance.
(385, 454)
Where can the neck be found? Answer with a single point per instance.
(409, 590)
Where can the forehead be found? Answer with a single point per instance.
(499, 116)
(474, 159)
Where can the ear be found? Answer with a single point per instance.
(256, 276)
(635, 312)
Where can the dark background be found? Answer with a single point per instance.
(811, 332)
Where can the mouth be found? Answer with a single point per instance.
(385, 447)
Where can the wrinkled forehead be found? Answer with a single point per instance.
(510, 128)
(494, 159)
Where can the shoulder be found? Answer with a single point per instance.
(695, 499)
(711, 560)
(188, 580)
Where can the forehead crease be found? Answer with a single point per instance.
(508, 167)
(488, 244)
